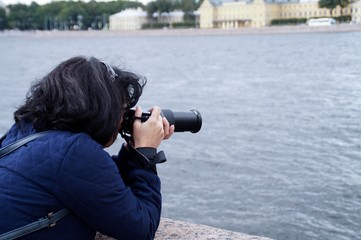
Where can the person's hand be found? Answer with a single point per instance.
(168, 130)
(151, 132)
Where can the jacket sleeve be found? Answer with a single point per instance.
(91, 187)
(129, 159)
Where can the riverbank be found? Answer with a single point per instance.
(189, 32)
(179, 230)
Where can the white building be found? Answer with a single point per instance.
(129, 19)
(171, 17)
(356, 12)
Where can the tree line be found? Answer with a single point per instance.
(78, 15)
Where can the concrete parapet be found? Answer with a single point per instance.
(179, 230)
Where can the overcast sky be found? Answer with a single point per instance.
(7, 2)
(40, 2)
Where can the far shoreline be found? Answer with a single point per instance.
(186, 32)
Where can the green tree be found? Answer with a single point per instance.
(21, 16)
(332, 4)
(329, 4)
(164, 6)
(159, 7)
(188, 7)
(3, 20)
(343, 4)
(151, 8)
(65, 15)
(94, 17)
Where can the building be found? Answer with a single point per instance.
(171, 17)
(129, 19)
(133, 19)
(356, 12)
(260, 13)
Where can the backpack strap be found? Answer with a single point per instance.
(13, 146)
(45, 222)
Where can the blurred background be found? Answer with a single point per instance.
(278, 154)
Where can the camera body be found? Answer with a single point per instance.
(190, 121)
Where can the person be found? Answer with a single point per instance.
(85, 101)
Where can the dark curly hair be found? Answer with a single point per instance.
(82, 95)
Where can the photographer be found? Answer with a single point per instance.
(84, 100)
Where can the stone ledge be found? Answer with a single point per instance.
(179, 230)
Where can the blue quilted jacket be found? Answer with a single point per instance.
(117, 196)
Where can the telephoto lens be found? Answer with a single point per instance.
(184, 121)
(190, 121)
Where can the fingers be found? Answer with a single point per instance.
(168, 130)
(148, 133)
(138, 111)
(156, 113)
(151, 132)
(156, 116)
(137, 115)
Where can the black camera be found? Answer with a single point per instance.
(190, 121)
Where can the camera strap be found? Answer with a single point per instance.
(46, 222)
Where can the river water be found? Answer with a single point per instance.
(280, 147)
